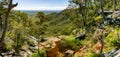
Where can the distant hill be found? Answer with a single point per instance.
(33, 12)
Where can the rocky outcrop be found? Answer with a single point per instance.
(113, 53)
(34, 46)
(8, 54)
(30, 46)
(81, 37)
(113, 18)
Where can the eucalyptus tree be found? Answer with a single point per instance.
(41, 17)
(87, 10)
(10, 7)
(81, 7)
(102, 9)
(40, 22)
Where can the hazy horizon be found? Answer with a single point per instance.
(37, 10)
(33, 12)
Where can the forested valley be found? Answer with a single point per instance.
(86, 28)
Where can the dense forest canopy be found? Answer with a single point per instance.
(83, 26)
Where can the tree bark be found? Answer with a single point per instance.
(101, 5)
(102, 45)
(0, 22)
(114, 2)
(10, 6)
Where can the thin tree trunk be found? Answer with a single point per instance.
(101, 5)
(0, 22)
(10, 6)
(83, 15)
(102, 45)
(5, 27)
(100, 38)
(114, 2)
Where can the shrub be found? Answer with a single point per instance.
(9, 44)
(8, 47)
(41, 53)
(98, 18)
(34, 55)
(96, 55)
(113, 38)
(69, 43)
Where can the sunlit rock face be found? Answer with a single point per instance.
(113, 53)
(116, 15)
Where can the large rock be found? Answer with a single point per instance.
(116, 14)
(113, 19)
(81, 37)
(33, 40)
(33, 49)
(69, 53)
(33, 44)
(8, 54)
(113, 53)
(118, 55)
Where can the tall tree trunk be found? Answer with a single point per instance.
(81, 10)
(102, 44)
(0, 22)
(10, 6)
(114, 2)
(101, 5)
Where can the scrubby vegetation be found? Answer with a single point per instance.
(81, 30)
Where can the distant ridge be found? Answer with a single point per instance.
(33, 12)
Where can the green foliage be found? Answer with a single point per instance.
(41, 53)
(95, 55)
(18, 30)
(9, 45)
(98, 18)
(70, 43)
(67, 22)
(34, 55)
(64, 23)
(113, 38)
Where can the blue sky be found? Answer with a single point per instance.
(41, 4)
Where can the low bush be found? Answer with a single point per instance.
(69, 43)
(96, 55)
(41, 53)
(113, 39)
